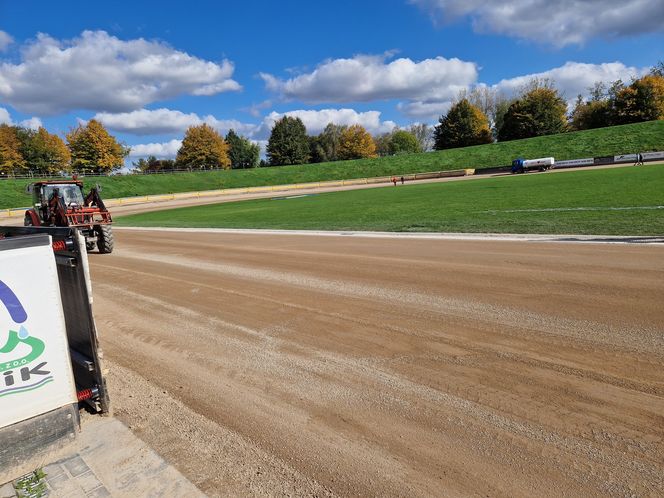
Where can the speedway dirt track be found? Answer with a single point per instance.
(302, 365)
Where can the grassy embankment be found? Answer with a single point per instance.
(589, 143)
(620, 201)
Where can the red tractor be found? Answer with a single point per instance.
(63, 204)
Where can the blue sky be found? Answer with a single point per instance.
(150, 69)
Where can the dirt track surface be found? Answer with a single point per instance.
(302, 365)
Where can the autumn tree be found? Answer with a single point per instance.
(356, 143)
(462, 126)
(11, 160)
(288, 143)
(403, 142)
(242, 152)
(203, 148)
(94, 150)
(540, 111)
(643, 100)
(44, 152)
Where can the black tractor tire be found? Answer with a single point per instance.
(27, 221)
(104, 239)
(90, 245)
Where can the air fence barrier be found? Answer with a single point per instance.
(571, 163)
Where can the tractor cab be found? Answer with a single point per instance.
(71, 194)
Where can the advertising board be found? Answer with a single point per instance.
(570, 163)
(35, 369)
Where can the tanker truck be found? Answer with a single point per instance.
(524, 165)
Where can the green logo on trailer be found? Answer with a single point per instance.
(16, 374)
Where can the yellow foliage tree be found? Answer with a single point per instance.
(94, 150)
(356, 143)
(11, 159)
(652, 89)
(51, 153)
(203, 148)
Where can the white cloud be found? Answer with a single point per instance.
(571, 79)
(100, 72)
(165, 150)
(574, 78)
(316, 121)
(559, 23)
(5, 118)
(5, 40)
(33, 123)
(369, 78)
(424, 110)
(165, 121)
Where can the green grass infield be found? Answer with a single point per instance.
(617, 201)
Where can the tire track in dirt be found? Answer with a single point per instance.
(355, 378)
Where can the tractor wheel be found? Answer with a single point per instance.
(90, 245)
(104, 239)
(27, 221)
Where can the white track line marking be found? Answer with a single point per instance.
(550, 210)
(585, 239)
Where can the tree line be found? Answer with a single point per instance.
(479, 116)
(89, 148)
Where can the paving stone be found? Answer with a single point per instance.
(58, 482)
(110, 461)
(101, 492)
(76, 466)
(53, 470)
(7, 491)
(88, 481)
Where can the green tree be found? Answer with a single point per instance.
(329, 141)
(44, 152)
(382, 142)
(316, 150)
(288, 143)
(94, 150)
(12, 161)
(403, 142)
(152, 164)
(424, 135)
(463, 125)
(657, 69)
(501, 111)
(540, 111)
(242, 152)
(595, 113)
(356, 143)
(203, 148)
